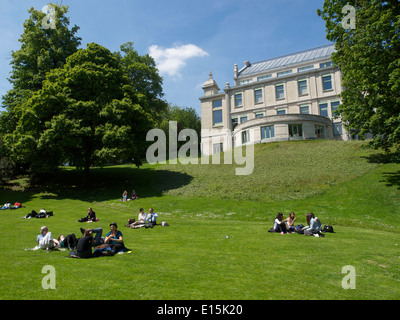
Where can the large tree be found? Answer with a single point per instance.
(42, 49)
(368, 54)
(87, 113)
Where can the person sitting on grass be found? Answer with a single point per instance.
(279, 224)
(45, 239)
(90, 217)
(114, 241)
(134, 195)
(151, 219)
(141, 220)
(314, 225)
(124, 196)
(84, 246)
(290, 222)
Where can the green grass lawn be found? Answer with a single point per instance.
(217, 246)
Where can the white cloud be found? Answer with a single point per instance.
(172, 60)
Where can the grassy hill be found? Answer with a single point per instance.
(217, 246)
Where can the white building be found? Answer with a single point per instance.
(284, 98)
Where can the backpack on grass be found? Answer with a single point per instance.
(328, 228)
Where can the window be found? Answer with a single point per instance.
(238, 100)
(245, 137)
(235, 122)
(217, 117)
(305, 69)
(264, 77)
(284, 73)
(323, 110)
(337, 129)
(334, 107)
(267, 132)
(302, 84)
(327, 82)
(245, 82)
(258, 96)
(217, 104)
(305, 109)
(280, 91)
(218, 147)
(243, 119)
(319, 132)
(295, 130)
(259, 115)
(280, 111)
(326, 64)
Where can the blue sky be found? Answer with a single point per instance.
(187, 38)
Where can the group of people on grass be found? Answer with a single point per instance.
(83, 246)
(88, 245)
(148, 221)
(8, 205)
(286, 226)
(125, 198)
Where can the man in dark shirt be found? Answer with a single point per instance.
(84, 246)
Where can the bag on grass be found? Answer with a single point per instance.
(328, 228)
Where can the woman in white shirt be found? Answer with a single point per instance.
(141, 220)
(279, 224)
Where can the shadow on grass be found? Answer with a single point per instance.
(392, 179)
(104, 184)
(383, 158)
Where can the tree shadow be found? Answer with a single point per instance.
(383, 158)
(392, 179)
(104, 184)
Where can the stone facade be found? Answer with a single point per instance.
(280, 99)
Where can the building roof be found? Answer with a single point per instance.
(287, 60)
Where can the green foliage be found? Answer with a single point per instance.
(144, 76)
(87, 113)
(41, 51)
(369, 59)
(186, 118)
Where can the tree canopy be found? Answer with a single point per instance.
(369, 58)
(87, 113)
(41, 51)
(142, 72)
